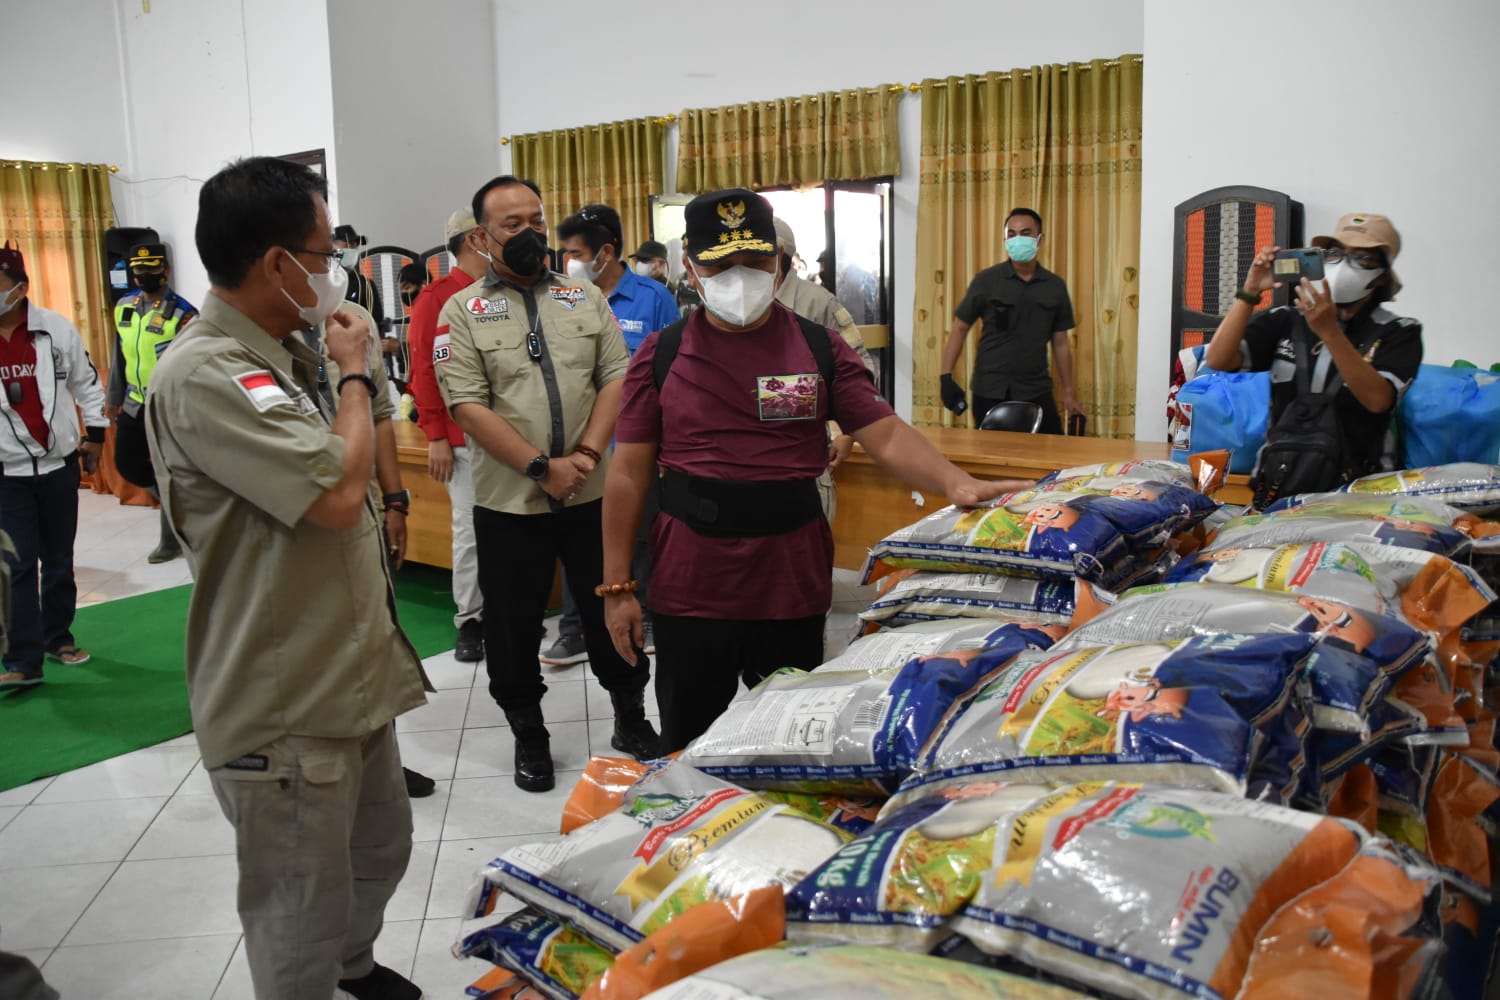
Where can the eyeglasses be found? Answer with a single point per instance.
(1370, 260)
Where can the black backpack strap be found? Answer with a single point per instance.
(669, 342)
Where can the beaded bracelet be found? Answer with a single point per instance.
(584, 449)
(614, 589)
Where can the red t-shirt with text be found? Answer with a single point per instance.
(18, 368)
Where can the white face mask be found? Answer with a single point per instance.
(329, 287)
(588, 270)
(1348, 283)
(8, 302)
(349, 256)
(740, 295)
(644, 269)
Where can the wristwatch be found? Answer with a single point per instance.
(401, 496)
(536, 469)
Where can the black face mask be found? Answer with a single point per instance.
(525, 252)
(407, 298)
(150, 283)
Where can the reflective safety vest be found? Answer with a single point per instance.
(145, 335)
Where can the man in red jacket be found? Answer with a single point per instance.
(448, 455)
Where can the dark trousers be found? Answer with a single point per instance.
(40, 514)
(132, 456)
(700, 661)
(640, 568)
(1051, 422)
(517, 555)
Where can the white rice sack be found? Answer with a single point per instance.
(853, 972)
(1147, 470)
(1469, 486)
(1148, 891)
(681, 837)
(909, 596)
(855, 732)
(1410, 522)
(892, 648)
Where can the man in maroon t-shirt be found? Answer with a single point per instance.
(743, 555)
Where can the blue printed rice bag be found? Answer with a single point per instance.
(909, 595)
(1146, 470)
(850, 732)
(1146, 512)
(557, 960)
(1051, 536)
(1206, 712)
(1358, 658)
(1410, 522)
(1470, 486)
(892, 648)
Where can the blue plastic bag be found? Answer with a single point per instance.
(1228, 411)
(1451, 415)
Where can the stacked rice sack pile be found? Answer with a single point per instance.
(1269, 771)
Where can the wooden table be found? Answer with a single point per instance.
(871, 502)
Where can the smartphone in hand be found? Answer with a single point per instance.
(1290, 266)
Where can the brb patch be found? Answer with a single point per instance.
(787, 397)
(488, 310)
(569, 297)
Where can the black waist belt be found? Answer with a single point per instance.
(733, 508)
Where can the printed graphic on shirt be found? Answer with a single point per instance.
(262, 390)
(787, 397)
(17, 371)
(631, 325)
(569, 297)
(488, 310)
(440, 346)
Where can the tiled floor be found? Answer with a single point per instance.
(118, 879)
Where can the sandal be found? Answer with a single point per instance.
(13, 680)
(70, 656)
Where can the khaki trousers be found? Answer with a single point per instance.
(323, 835)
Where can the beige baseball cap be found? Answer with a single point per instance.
(459, 222)
(784, 238)
(1366, 230)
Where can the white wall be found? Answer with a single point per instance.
(1397, 118)
(210, 81)
(624, 64)
(418, 145)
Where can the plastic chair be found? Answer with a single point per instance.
(1012, 415)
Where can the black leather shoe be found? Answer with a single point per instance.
(634, 734)
(380, 984)
(469, 647)
(534, 772)
(418, 786)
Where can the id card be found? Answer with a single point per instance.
(787, 397)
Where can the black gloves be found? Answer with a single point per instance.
(953, 396)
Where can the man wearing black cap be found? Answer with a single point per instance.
(47, 378)
(146, 323)
(361, 290)
(731, 405)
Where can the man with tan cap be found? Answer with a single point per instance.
(449, 460)
(819, 305)
(1339, 339)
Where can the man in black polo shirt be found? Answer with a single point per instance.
(1025, 307)
(1346, 329)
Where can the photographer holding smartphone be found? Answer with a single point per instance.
(1339, 360)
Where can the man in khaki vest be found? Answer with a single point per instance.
(296, 664)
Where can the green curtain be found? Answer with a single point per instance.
(1066, 141)
(621, 164)
(836, 135)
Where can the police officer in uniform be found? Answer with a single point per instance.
(296, 664)
(530, 363)
(146, 322)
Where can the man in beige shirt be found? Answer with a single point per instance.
(530, 363)
(819, 305)
(296, 665)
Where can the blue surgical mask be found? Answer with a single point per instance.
(1021, 248)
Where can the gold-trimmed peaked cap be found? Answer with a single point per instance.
(147, 255)
(727, 222)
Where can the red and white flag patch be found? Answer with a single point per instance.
(262, 389)
(440, 346)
